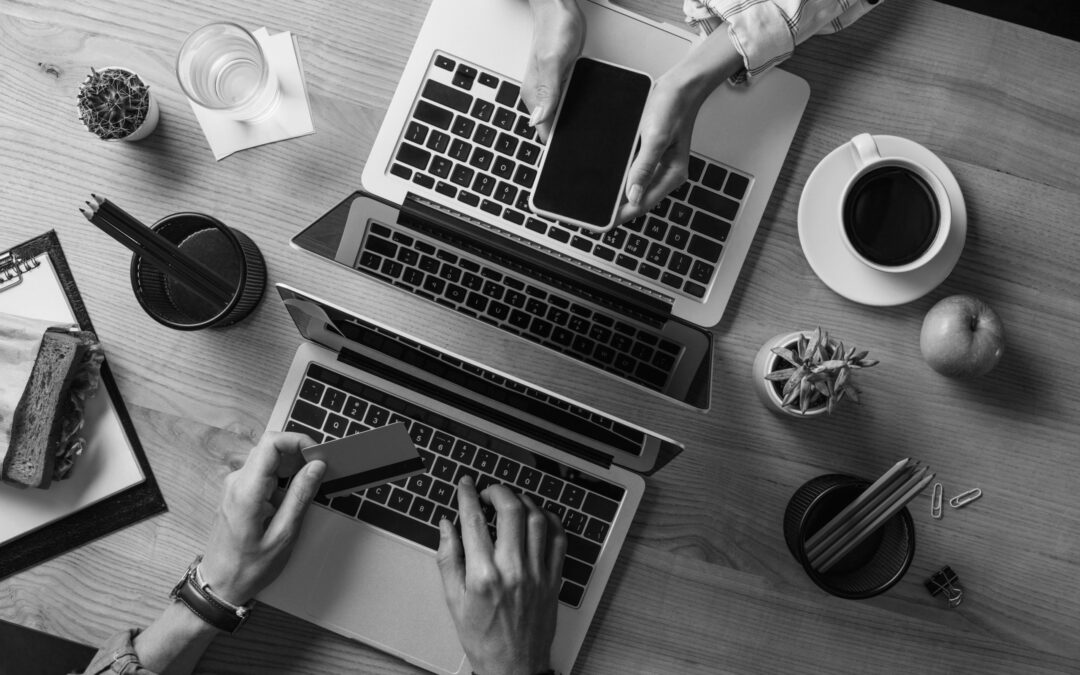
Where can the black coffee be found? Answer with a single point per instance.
(891, 216)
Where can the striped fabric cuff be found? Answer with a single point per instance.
(760, 33)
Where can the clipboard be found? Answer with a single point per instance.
(107, 502)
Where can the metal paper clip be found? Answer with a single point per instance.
(935, 501)
(965, 498)
(946, 582)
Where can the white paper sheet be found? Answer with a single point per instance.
(107, 464)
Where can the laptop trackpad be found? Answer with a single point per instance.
(389, 594)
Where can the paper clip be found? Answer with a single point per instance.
(935, 501)
(965, 498)
(946, 582)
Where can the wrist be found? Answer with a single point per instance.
(705, 67)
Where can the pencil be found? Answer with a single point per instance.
(159, 251)
(867, 499)
(873, 521)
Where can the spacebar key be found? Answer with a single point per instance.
(399, 524)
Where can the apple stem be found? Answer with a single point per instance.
(973, 322)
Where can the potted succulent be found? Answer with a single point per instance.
(115, 104)
(805, 374)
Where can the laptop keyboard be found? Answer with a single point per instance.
(330, 405)
(469, 140)
(518, 306)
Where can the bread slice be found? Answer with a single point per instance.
(38, 422)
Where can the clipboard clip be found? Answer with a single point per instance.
(12, 268)
(946, 582)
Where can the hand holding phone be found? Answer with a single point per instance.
(588, 155)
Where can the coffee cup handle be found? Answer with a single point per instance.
(865, 149)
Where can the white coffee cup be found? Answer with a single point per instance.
(894, 213)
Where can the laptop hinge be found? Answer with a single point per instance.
(536, 261)
(474, 406)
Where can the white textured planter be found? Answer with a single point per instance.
(766, 362)
(153, 112)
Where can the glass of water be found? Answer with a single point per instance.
(221, 66)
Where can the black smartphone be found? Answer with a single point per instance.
(592, 144)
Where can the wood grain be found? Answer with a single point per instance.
(705, 584)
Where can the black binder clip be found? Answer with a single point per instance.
(945, 582)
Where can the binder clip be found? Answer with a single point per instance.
(945, 582)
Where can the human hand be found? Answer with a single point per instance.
(558, 36)
(252, 537)
(503, 597)
(663, 158)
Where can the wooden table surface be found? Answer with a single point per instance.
(705, 583)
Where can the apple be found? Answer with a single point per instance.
(962, 337)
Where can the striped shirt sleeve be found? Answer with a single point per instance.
(766, 32)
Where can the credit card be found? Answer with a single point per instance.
(366, 459)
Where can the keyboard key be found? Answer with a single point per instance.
(420, 484)
(462, 175)
(694, 289)
(705, 248)
(443, 512)
(576, 571)
(736, 186)
(596, 530)
(460, 150)
(550, 487)
(447, 96)
(400, 500)
(463, 126)
(308, 414)
(441, 491)
(413, 156)
(485, 460)
(376, 416)
(714, 203)
(379, 493)
(712, 227)
(714, 177)
(507, 470)
(401, 171)
(504, 119)
(508, 94)
(438, 141)
(444, 62)
(680, 263)
(440, 166)
(422, 509)
(463, 470)
(702, 271)
(505, 193)
(484, 135)
(555, 507)
(482, 110)
(347, 504)
(600, 507)
(574, 521)
(399, 524)
(416, 132)
(506, 144)
(464, 76)
(433, 115)
(571, 593)
(581, 548)
(528, 152)
(491, 207)
(677, 237)
(311, 390)
(336, 425)
(484, 184)
(463, 451)
(489, 80)
(697, 165)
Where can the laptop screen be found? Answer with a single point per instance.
(535, 412)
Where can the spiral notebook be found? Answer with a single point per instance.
(111, 485)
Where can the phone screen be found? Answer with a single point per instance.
(591, 144)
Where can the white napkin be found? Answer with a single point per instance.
(292, 117)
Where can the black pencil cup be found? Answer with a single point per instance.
(872, 567)
(229, 252)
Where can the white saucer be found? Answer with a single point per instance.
(820, 235)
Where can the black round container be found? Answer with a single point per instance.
(872, 567)
(229, 252)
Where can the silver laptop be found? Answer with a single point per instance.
(455, 140)
(364, 564)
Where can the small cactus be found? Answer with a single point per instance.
(113, 103)
(820, 372)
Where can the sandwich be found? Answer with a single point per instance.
(47, 373)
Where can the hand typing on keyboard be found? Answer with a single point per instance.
(503, 596)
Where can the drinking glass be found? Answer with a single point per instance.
(221, 66)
